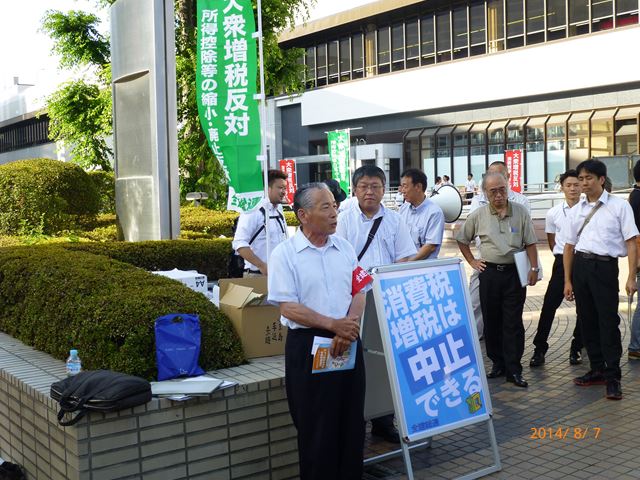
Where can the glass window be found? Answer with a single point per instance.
(602, 133)
(601, 8)
(460, 165)
(397, 47)
(515, 131)
(578, 138)
(556, 19)
(460, 33)
(515, 18)
(427, 143)
(345, 59)
(626, 12)
(443, 36)
(535, 15)
(534, 167)
(461, 135)
(427, 45)
(310, 62)
(321, 64)
(412, 149)
(495, 25)
(443, 151)
(477, 29)
(578, 17)
(332, 65)
(412, 45)
(384, 56)
(357, 59)
(626, 136)
(495, 136)
(370, 53)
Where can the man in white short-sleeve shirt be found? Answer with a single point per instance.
(599, 229)
(250, 238)
(315, 280)
(555, 222)
(391, 243)
(423, 217)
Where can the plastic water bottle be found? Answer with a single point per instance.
(74, 365)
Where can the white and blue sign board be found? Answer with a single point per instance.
(431, 346)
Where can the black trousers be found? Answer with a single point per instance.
(595, 286)
(502, 301)
(327, 410)
(552, 299)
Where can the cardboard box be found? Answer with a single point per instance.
(190, 278)
(258, 325)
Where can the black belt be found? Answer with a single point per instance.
(593, 256)
(248, 270)
(501, 267)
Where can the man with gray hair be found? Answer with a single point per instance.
(315, 279)
(504, 228)
(477, 202)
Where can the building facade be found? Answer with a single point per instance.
(450, 86)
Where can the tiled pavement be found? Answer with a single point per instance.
(550, 402)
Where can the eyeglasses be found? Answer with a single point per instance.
(363, 187)
(495, 191)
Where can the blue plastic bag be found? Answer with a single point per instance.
(178, 346)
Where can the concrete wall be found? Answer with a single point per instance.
(241, 432)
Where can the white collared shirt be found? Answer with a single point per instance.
(391, 243)
(319, 278)
(555, 220)
(250, 222)
(608, 229)
(426, 224)
(470, 186)
(515, 197)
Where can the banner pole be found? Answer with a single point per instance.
(263, 119)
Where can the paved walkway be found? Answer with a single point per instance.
(600, 439)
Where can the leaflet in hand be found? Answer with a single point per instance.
(323, 362)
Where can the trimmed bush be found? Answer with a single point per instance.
(105, 183)
(212, 223)
(54, 299)
(45, 196)
(207, 256)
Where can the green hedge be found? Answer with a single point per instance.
(105, 183)
(207, 256)
(45, 196)
(55, 299)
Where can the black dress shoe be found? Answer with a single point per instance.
(388, 433)
(496, 372)
(614, 391)
(517, 380)
(537, 360)
(575, 358)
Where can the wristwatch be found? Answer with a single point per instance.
(535, 269)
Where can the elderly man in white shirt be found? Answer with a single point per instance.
(424, 218)
(317, 283)
(250, 239)
(379, 237)
(554, 225)
(477, 202)
(600, 229)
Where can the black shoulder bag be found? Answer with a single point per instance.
(235, 264)
(372, 233)
(98, 391)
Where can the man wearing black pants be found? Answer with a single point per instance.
(504, 228)
(315, 279)
(556, 219)
(600, 229)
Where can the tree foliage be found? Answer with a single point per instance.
(80, 112)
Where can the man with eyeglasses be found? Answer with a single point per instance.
(477, 202)
(504, 228)
(379, 237)
(423, 217)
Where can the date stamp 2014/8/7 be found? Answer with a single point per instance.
(564, 433)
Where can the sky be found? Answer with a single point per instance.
(25, 52)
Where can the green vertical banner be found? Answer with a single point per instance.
(340, 154)
(226, 81)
